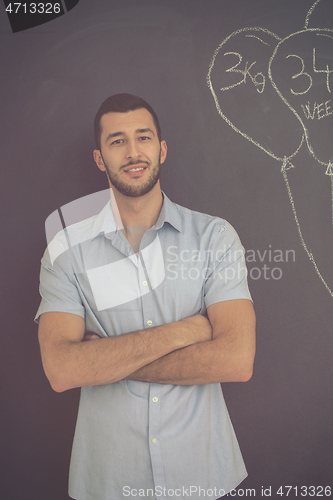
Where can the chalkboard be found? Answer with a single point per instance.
(243, 91)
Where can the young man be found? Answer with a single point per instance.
(148, 310)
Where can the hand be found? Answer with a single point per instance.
(90, 336)
(199, 328)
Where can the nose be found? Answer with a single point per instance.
(133, 150)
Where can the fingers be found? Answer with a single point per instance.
(90, 336)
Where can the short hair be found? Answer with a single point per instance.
(122, 103)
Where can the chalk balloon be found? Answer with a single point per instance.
(301, 70)
(244, 96)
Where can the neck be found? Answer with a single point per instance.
(134, 215)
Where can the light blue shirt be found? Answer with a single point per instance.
(138, 439)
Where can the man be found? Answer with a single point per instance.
(148, 310)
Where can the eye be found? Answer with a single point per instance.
(144, 138)
(117, 141)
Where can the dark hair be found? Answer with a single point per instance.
(121, 103)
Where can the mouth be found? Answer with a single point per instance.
(134, 170)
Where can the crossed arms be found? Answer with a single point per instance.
(195, 350)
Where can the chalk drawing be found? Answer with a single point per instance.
(291, 76)
(306, 24)
(294, 77)
(243, 73)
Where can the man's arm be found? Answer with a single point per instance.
(70, 362)
(228, 357)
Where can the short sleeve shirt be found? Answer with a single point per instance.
(137, 438)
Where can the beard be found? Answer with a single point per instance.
(133, 191)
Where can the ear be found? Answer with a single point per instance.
(99, 160)
(163, 153)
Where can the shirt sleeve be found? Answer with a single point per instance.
(227, 278)
(58, 288)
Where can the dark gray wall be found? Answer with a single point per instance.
(53, 78)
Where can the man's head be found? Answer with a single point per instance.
(122, 103)
(130, 150)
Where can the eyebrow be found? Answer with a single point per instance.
(138, 131)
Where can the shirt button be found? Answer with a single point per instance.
(154, 440)
(155, 399)
(149, 322)
(144, 283)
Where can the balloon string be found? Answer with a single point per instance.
(331, 176)
(284, 173)
(329, 172)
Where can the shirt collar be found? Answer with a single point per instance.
(105, 222)
(169, 213)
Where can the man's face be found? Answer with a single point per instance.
(131, 152)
